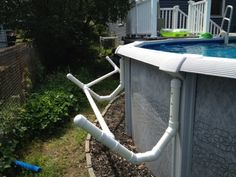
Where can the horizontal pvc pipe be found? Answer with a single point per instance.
(101, 78)
(151, 155)
(28, 166)
(107, 97)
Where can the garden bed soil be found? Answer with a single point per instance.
(106, 163)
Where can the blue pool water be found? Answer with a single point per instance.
(211, 49)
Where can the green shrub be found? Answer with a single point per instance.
(41, 115)
(44, 110)
(11, 132)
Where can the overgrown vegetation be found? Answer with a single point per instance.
(49, 107)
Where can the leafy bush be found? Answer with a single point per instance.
(11, 132)
(41, 115)
(44, 111)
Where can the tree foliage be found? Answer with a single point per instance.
(63, 30)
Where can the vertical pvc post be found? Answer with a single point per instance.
(190, 18)
(207, 16)
(175, 17)
(154, 18)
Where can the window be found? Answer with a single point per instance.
(217, 8)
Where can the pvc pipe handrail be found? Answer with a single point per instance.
(156, 151)
(90, 93)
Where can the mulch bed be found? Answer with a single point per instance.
(107, 163)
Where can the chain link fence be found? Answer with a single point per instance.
(16, 65)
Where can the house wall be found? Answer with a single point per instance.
(169, 3)
(184, 6)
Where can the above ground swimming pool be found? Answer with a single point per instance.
(211, 49)
(205, 145)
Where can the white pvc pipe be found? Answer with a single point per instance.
(76, 81)
(107, 97)
(96, 111)
(116, 91)
(151, 155)
(112, 63)
(154, 18)
(101, 78)
(95, 95)
(88, 92)
(122, 71)
(92, 104)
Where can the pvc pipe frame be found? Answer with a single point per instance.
(90, 93)
(156, 151)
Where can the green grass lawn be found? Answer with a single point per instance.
(62, 155)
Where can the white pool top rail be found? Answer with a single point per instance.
(175, 62)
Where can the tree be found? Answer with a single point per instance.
(62, 30)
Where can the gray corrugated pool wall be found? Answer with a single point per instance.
(214, 135)
(150, 97)
(206, 143)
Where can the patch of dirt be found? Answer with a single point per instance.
(105, 162)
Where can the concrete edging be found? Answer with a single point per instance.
(88, 138)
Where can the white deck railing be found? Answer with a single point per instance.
(142, 18)
(196, 21)
(199, 16)
(214, 29)
(174, 18)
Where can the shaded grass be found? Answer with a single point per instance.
(50, 167)
(61, 155)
